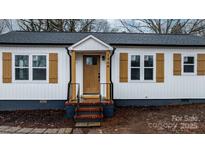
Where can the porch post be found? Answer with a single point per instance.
(107, 56)
(73, 77)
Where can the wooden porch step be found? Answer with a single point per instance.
(82, 104)
(89, 116)
(89, 109)
(90, 96)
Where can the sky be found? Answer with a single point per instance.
(114, 23)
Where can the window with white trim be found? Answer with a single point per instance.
(21, 67)
(148, 67)
(135, 67)
(31, 67)
(188, 64)
(141, 67)
(39, 68)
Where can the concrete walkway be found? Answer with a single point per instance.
(19, 130)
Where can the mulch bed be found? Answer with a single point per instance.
(166, 119)
(36, 119)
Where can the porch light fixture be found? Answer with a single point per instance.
(103, 58)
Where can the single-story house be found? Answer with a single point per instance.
(43, 70)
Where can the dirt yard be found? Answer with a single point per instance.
(167, 119)
(36, 119)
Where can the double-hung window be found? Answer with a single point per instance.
(148, 67)
(188, 64)
(135, 67)
(141, 67)
(39, 67)
(30, 67)
(21, 67)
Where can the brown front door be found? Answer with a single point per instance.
(91, 74)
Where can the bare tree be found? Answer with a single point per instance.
(100, 25)
(32, 24)
(5, 25)
(164, 26)
(64, 25)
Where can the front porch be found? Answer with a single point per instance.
(90, 80)
(90, 90)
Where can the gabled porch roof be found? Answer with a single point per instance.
(90, 43)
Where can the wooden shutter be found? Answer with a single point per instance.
(53, 68)
(201, 64)
(7, 67)
(159, 67)
(177, 64)
(123, 67)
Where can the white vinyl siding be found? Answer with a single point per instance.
(173, 87)
(37, 90)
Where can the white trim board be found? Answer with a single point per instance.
(90, 43)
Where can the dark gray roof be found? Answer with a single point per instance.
(66, 38)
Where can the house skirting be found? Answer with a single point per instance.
(11, 105)
(156, 102)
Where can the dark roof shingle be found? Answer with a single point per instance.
(66, 38)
